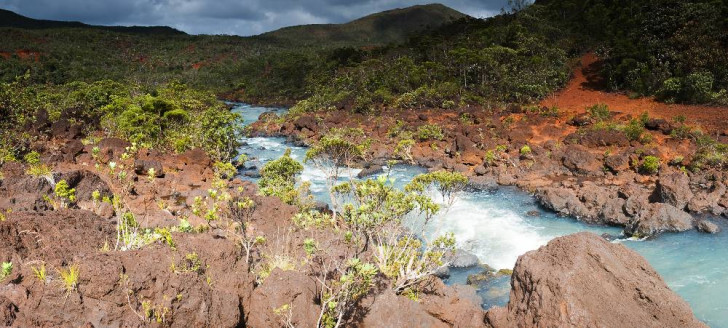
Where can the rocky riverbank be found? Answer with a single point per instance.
(582, 166)
(147, 240)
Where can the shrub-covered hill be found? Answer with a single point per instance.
(675, 50)
(384, 27)
(266, 68)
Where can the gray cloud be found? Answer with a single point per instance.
(241, 17)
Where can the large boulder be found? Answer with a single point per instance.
(282, 288)
(112, 148)
(143, 166)
(25, 193)
(579, 160)
(85, 183)
(581, 280)
(565, 202)
(656, 218)
(306, 122)
(461, 258)
(441, 306)
(674, 188)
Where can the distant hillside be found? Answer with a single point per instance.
(11, 19)
(380, 28)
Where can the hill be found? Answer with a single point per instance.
(11, 19)
(385, 27)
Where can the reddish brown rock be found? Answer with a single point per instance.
(581, 280)
(674, 188)
(579, 160)
(281, 288)
(655, 218)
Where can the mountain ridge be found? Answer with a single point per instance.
(382, 27)
(12, 19)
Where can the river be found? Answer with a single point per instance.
(495, 227)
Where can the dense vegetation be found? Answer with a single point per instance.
(268, 68)
(168, 117)
(673, 49)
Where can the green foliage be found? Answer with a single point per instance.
(32, 158)
(448, 184)
(650, 165)
(354, 284)
(599, 112)
(40, 273)
(6, 270)
(709, 154)
(39, 170)
(680, 56)
(169, 116)
(525, 150)
(430, 132)
(404, 150)
(69, 277)
(309, 245)
(333, 150)
(65, 193)
(224, 170)
(313, 219)
(130, 236)
(165, 235)
(278, 178)
(635, 131)
(375, 202)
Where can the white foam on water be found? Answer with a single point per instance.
(496, 235)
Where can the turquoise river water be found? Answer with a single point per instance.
(495, 227)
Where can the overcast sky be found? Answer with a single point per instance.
(241, 17)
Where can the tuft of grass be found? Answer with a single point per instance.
(38, 170)
(69, 277)
(282, 262)
(40, 273)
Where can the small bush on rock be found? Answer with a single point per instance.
(650, 165)
(430, 132)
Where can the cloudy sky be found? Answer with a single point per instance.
(241, 17)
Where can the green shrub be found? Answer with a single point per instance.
(525, 150)
(599, 112)
(278, 178)
(430, 132)
(6, 270)
(404, 149)
(65, 193)
(634, 130)
(650, 165)
(176, 115)
(32, 158)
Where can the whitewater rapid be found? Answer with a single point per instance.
(500, 226)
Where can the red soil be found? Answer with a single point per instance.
(587, 88)
(28, 54)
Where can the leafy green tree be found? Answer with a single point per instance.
(278, 178)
